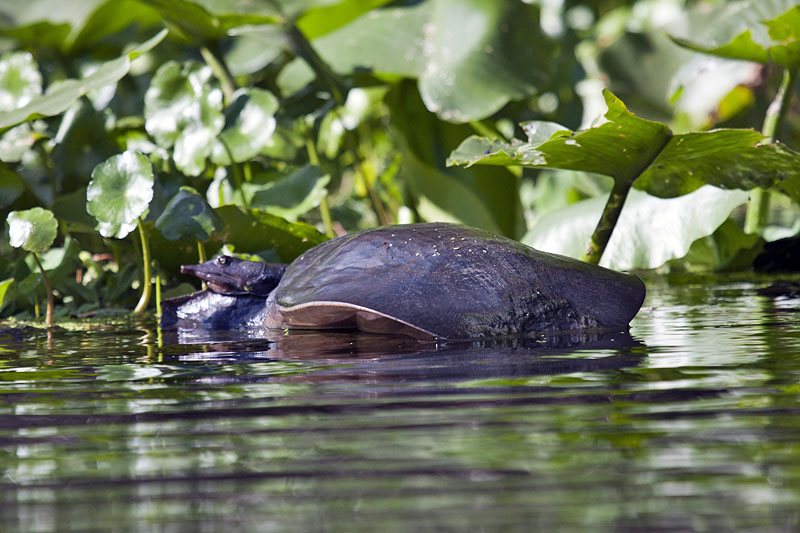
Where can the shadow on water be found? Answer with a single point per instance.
(689, 424)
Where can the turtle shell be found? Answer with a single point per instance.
(447, 281)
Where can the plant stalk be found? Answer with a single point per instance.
(221, 72)
(49, 288)
(146, 282)
(758, 208)
(608, 220)
(201, 256)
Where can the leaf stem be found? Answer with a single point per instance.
(49, 288)
(158, 292)
(201, 258)
(146, 282)
(758, 207)
(303, 48)
(324, 205)
(221, 72)
(608, 220)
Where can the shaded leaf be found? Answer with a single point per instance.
(291, 196)
(119, 193)
(187, 216)
(250, 125)
(33, 230)
(470, 57)
(11, 186)
(650, 230)
(57, 100)
(252, 230)
(183, 108)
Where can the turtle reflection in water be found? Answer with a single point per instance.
(425, 280)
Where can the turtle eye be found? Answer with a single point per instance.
(222, 260)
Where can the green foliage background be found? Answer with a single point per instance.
(270, 125)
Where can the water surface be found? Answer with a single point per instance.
(692, 423)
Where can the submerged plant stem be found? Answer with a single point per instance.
(146, 284)
(608, 220)
(49, 288)
(758, 207)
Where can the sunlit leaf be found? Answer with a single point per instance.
(470, 57)
(250, 125)
(759, 31)
(187, 216)
(626, 147)
(183, 108)
(20, 80)
(324, 19)
(33, 230)
(11, 186)
(650, 230)
(120, 191)
(291, 196)
(15, 142)
(57, 100)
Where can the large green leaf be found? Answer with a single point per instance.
(649, 232)
(183, 108)
(197, 23)
(626, 147)
(20, 80)
(252, 230)
(250, 125)
(324, 19)
(758, 30)
(119, 193)
(58, 99)
(33, 230)
(470, 57)
(291, 196)
(188, 217)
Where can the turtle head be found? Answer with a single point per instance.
(229, 275)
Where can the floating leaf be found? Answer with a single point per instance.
(250, 125)
(119, 193)
(650, 230)
(627, 147)
(20, 80)
(187, 216)
(183, 108)
(291, 196)
(11, 186)
(33, 230)
(470, 57)
(759, 31)
(57, 100)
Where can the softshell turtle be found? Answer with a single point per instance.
(425, 280)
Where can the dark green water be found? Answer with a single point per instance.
(692, 424)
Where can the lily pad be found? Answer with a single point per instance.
(119, 193)
(187, 216)
(250, 125)
(20, 80)
(183, 108)
(33, 230)
(56, 101)
(291, 196)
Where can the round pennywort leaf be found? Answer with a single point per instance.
(20, 80)
(120, 191)
(33, 230)
(183, 108)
